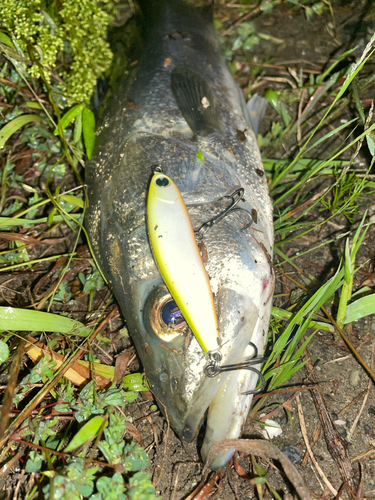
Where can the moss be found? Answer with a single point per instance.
(67, 40)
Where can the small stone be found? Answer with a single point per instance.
(293, 453)
(371, 410)
(272, 429)
(342, 431)
(367, 429)
(334, 415)
(354, 378)
(373, 327)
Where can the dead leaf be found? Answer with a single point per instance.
(134, 432)
(121, 365)
(78, 374)
(263, 449)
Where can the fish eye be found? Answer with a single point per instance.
(171, 315)
(162, 316)
(162, 181)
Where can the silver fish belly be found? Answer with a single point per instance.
(182, 102)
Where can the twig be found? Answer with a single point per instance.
(364, 399)
(263, 449)
(7, 467)
(307, 443)
(8, 396)
(198, 488)
(156, 481)
(67, 455)
(290, 389)
(239, 21)
(336, 445)
(340, 414)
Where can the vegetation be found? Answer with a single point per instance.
(65, 43)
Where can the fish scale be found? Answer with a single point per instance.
(147, 122)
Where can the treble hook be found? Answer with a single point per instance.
(236, 197)
(213, 368)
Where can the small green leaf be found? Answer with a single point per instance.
(360, 308)
(140, 487)
(73, 199)
(134, 382)
(370, 144)
(14, 125)
(86, 433)
(4, 351)
(69, 117)
(51, 216)
(259, 480)
(12, 318)
(28, 188)
(88, 122)
(5, 39)
(136, 457)
(200, 155)
(272, 97)
(77, 128)
(259, 469)
(34, 462)
(32, 104)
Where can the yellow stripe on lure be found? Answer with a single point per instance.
(180, 264)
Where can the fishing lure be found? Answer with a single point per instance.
(179, 261)
(176, 253)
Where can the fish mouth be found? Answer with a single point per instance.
(176, 372)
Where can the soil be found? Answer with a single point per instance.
(176, 467)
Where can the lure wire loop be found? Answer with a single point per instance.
(235, 197)
(156, 169)
(213, 368)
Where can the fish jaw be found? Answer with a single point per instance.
(228, 410)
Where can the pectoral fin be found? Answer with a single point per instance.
(196, 102)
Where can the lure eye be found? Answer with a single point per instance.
(162, 316)
(162, 181)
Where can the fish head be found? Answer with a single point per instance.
(241, 280)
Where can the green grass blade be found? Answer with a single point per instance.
(360, 308)
(367, 53)
(9, 222)
(73, 199)
(87, 432)
(4, 351)
(88, 122)
(69, 117)
(282, 314)
(331, 133)
(14, 319)
(14, 125)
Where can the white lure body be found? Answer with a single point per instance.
(180, 264)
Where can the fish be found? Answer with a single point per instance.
(180, 108)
